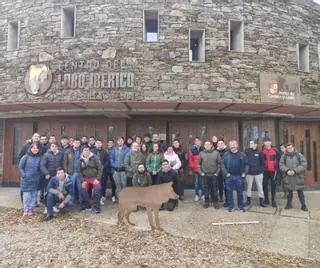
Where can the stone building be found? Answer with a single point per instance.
(239, 69)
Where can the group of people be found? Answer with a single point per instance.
(80, 168)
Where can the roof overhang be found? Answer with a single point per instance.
(128, 108)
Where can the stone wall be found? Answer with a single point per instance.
(111, 32)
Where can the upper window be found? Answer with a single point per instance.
(151, 25)
(68, 22)
(196, 45)
(303, 57)
(13, 35)
(236, 36)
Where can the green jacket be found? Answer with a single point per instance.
(153, 162)
(131, 162)
(141, 180)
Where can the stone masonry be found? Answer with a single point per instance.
(112, 32)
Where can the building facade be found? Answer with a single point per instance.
(238, 69)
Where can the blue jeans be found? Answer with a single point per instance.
(53, 200)
(29, 200)
(77, 184)
(231, 183)
(197, 179)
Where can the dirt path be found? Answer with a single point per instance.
(72, 242)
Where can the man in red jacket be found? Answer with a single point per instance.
(271, 161)
(193, 157)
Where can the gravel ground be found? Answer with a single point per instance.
(78, 242)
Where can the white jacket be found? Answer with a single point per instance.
(173, 160)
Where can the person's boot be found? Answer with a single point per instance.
(274, 204)
(205, 205)
(266, 202)
(304, 207)
(289, 205)
(96, 201)
(248, 203)
(262, 204)
(216, 205)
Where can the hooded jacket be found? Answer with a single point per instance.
(193, 158)
(50, 162)
(29, 167)
(131, 162)
(293, 161)
(90, 167)
(173, 160)
(153, 162)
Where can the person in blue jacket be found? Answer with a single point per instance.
(30, 173)
(117, 157)
(60, 191)
(234, 167)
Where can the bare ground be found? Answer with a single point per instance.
(69, 241)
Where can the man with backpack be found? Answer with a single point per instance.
(293, 165)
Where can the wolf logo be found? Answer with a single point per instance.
(38, 80)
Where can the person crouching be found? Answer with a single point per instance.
(90, 172)
(141, 178)
(60, 192)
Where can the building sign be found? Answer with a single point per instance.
(81, 75)
(38, 79)
(283, 89)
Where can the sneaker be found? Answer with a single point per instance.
(55, 209)
(304, 208)
(97, 210)
(45, 211)
(225, 204)
(230, 209)
(202, 197)
(113, 199)
(48, 218)
(196, 198)
(102, 201)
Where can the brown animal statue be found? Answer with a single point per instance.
(151, 198)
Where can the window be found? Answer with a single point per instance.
(196, 45)
(303, 57)
(68, 22)
(236, 36)
(13, 35)
(151, 25)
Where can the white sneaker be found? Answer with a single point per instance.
(102, 201)
(196, 198)
(55, 209)
(45, 210)
(113, 199)
(202, 197)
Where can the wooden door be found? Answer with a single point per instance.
(16, 135)
(147, 125)
(305, 136)
(257, 129)
(18, 131)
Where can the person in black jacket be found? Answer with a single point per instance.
(49, 164)
(255, 171)
(222, 149)
(182, 156)
(167, 175)
(105, 161)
